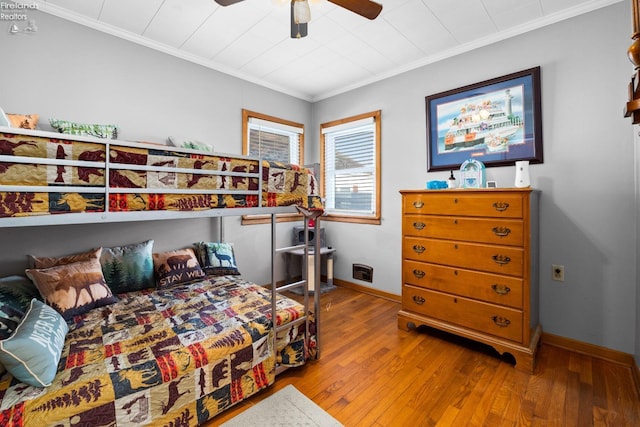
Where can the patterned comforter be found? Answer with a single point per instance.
(171, 357)
(74, 174)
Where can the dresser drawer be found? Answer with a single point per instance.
(489, 258)
(489, 204)
(497, 289)
(497, 231)
(488, 318)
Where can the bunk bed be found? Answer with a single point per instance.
(176, 354)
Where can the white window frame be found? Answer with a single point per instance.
(261, 122)
(253, 120)
(328, 131)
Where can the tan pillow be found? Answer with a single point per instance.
(48, 262)
(24, 121)
(176, 267)
(73, 289)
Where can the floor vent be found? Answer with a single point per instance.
(363, 272)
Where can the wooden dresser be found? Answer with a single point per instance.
(470, 266)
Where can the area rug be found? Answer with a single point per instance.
(286, 407)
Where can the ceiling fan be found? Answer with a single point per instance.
(301, 13)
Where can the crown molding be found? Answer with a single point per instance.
(458, 50)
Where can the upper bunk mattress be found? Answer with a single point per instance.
(46, 173)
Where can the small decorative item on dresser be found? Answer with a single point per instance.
(437, 185)
(472, 174)
(452, 181)
(522, 174)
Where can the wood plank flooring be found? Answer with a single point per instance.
(370, 373)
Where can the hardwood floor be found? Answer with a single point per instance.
(370, 373)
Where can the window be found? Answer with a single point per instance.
(272, 139)
(350, 168)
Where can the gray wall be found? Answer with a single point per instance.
(68, 71)
(588, 208)
(636, 142)
(587, 213)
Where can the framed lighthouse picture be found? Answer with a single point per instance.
(497, 122)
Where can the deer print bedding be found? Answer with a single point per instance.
(46, 173)
(162, 357)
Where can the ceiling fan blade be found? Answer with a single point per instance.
(368, 9)
(227, 2)
(297, 30)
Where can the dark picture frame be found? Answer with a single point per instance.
(497, 122)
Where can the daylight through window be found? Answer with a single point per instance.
(351, 166)
(274, 141)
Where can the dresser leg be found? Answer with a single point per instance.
(525, 357)
(405, 323)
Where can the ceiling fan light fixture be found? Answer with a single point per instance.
(301, 11)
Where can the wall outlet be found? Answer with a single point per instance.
(557, 272)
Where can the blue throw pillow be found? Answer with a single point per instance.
(32, 353)
(217, 259)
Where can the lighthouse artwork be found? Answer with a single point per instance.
(497, 121)
(488, 120)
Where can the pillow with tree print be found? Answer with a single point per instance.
(16, 293)
(73, 128)
(217, 259)
(128, 268)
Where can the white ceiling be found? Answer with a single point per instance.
(343, 51)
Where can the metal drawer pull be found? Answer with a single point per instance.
(419, 225)
(418, 249)
(418, 204)
(419, 273)
(501, 259)
(500, 289)
(501, 321)
(501, 231)
(418, 299)
(501, 206)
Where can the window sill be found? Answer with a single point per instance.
(352, 219)
(266, 219)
